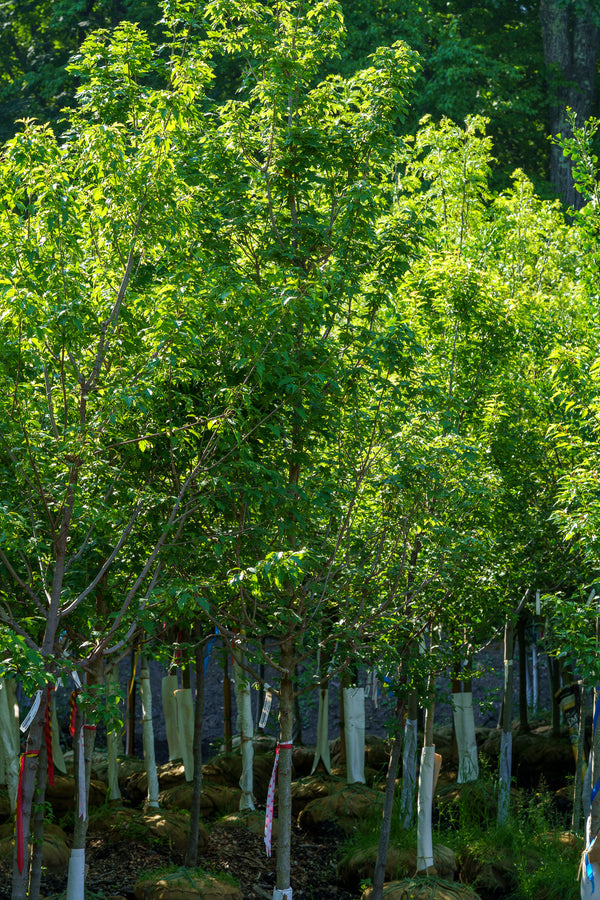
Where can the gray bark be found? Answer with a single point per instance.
(570, 42)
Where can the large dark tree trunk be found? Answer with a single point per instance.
(570, 41)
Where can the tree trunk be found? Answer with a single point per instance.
(506, 737)
(409, 761)
(112, 744)
(523, 716)
(131, 698)
(388, 803)
(83, 743)
(191, 855)
(426, 786)
(245, 729)
(227, 716)
(148, 735)
(284, 781)
(35, 874)
(27, 778)
(570, 42)
(577, 790)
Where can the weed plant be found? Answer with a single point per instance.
(539, 857)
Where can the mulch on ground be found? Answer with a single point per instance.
(114, 868)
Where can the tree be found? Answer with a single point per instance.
(570, 40)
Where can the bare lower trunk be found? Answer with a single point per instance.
(579, 766)
(35, 874)
(112, 744)
(245, 729)
(148, 735)
(426, 786)
(284, 782)
(227, 716)
(506, 737)
(27, 778)
(409, 762)
(388, 803)
(191, 855)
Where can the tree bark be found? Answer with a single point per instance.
(506, 737)
(388, 803)
(570, 42)
(523, 712)
(191, 854)
(284, 781)
(35, 873)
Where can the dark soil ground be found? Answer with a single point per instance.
(115, 868)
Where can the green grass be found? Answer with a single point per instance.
(533, 849)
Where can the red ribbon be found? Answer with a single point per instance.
(20, 841)
(271, 797)
(48, 733)
(73, 708)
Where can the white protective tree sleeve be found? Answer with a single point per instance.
(424, 805)
(409, 772)
(505, 769)
(245, 727)
(285, 894)
(168, 686)
(354, 710)
(148, 735)
(322, 748)
(464, 727)
(185, 726)
(76, 876)
(11, 754)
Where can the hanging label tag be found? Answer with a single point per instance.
(76, 679)
(266, 707)
(31, 714)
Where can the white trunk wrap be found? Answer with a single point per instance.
(168, 687)
(322, 748)
(424, 804)
(354, 714)
(464, 727)
(185, 725)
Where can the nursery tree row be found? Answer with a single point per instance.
(268, 366)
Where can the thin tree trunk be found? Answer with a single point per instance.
(27, 778)
(523, 716)
(506, 737)
(245, 728)
(577, 790)
(191, 855)
(227, 715)
(426, 786)
(284, 781)
(83, 741)
(35, 874)
(409, 762)
(112, 745)
(148, 735)
(131, 698)
(388, 803)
